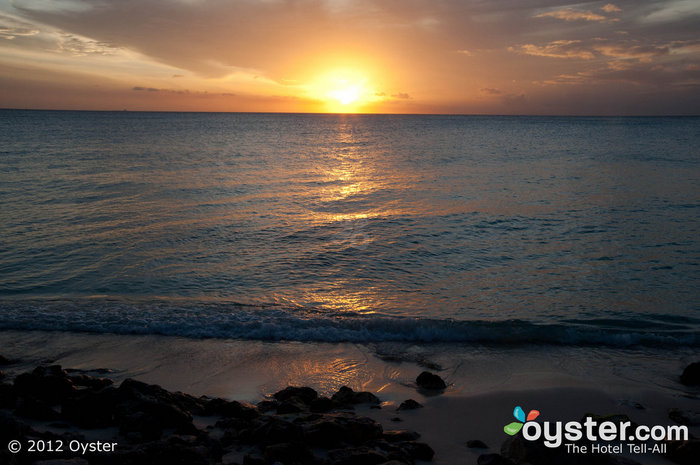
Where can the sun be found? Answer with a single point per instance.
(343, 91)
(346, 95)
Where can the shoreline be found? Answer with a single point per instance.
(483, 383)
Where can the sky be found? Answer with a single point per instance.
(628, 57)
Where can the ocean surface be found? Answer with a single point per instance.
(361, 228)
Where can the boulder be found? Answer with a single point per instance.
(409, 404)
(90, 382)
(691, 375)
(418, 450)
(4, 361)
(289, 453)
(273, 430)
(91, 409)
(36, 409)
(360, 456)
(322, 405)
(337, 429)
(684, 417)
(305, 394)
(430, 381)
(293, 405)
(684, 452)
(7, 396)
(346, 396)
(231, 409)
(400, 435)
(48, 384)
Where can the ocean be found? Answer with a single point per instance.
(352, 228)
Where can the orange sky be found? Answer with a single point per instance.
(389, 56)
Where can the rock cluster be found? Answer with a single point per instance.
(154, 426)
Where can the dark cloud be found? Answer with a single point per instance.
(401, 96)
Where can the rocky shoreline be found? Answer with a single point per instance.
(138, 423)
(62, 417)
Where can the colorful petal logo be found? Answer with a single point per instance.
(515, 427)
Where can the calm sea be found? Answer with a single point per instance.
(352, 228)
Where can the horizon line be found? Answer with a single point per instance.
(549, 115)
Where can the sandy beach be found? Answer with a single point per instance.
(483, 384)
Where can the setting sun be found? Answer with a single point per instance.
(343, 91)
(346, 95)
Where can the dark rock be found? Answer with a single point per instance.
(4, 361)
(400, 435)
(91, 409)
(11, 428)
(7, 396)
(305, 394)
(250, 460)
(346, 396)
(476, 444)
(519, 450)
(684, 452)
(49, 384)
(36, 409)
(336, 429)
(493, 459)
(362, 456)
(267, 405)
(430, 381)
(691, 375)
(291, 405)
(409, 404)
(150, 409)
(235, 409)
(322, 405)
(396, 419)
(418, 450)
(175, 450)
(90, 382)
(131, 389)
(273, 430)
(289, 453)
(684, 417)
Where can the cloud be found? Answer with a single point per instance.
(80, 46)
(193, 93)
(401, 95)
(620, 49)
(569, 14)
(673, 10)
(490, 91)
(610, 8)
(11, 28)
(557, 49)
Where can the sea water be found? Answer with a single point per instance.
(361, 228)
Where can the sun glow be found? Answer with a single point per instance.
(343, 91)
